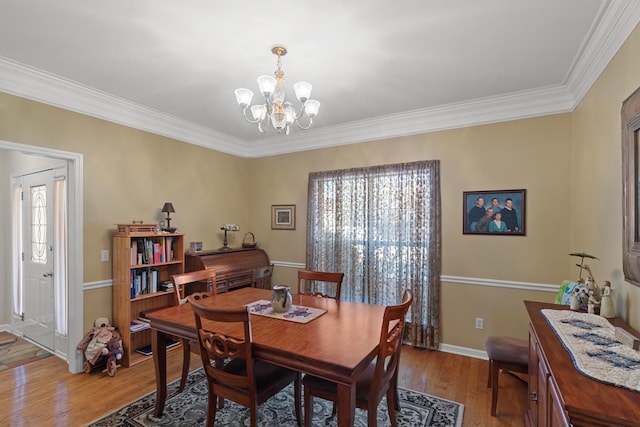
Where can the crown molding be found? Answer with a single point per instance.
(501, 108)
(31, 83)
(618, 19)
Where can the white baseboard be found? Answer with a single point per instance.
(463, 351)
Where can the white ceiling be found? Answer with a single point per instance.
(380, 69)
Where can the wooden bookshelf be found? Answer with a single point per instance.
(136, 276)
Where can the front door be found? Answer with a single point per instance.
(37, 211)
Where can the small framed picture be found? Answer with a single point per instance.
(494, 212)
(195, 246)
(283, 217)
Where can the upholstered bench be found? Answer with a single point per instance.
(506, 353)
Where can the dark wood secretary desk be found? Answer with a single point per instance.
(235, 268)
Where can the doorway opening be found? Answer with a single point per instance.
(64, 342)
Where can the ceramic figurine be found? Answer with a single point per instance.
(607, 308)
(592, 302)
(575, 300)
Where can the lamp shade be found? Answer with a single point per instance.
(259, 111)
(168, 208)
(311, 107)
(243, 96)
(267, 85)
(302, 90)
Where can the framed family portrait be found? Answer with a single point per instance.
(283, 217)
(494, 212)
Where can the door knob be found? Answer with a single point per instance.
(49, 274)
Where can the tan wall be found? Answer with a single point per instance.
(502, 309)
(128, 175)
(533, 154)
(569, 164)
(596, 223)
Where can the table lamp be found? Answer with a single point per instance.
(168, 209)
(228, 227)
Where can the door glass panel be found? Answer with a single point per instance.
(39, 224)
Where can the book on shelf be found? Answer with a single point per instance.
(166, 285)
(144, 282)
(134, 253)
(146, 350)
(158, 257)
(142, 253)
(154, 280)
(168, 249)
(138, 325)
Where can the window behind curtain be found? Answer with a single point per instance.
(381, 226)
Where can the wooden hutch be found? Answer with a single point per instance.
(559, 395)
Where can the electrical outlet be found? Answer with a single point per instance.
(104, 255)
(479, 323)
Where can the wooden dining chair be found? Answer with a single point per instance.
(180, 284)
(379, 379)
(309, 283)
(232, 372)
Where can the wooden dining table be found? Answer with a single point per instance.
(337, 346)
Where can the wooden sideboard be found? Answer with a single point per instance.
(235, 268)
(559, 395)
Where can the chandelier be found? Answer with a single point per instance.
(275, 110)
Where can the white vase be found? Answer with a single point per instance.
(281, 299)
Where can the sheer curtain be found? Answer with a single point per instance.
(60, 254)
(380, 225)
(16, 249)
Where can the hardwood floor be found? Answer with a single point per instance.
(45, 394)
(464, 379)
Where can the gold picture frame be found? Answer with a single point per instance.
(283, 217)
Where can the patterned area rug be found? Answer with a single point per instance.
(190, 409)
(15, 351)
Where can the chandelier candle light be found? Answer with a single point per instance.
(275, 110)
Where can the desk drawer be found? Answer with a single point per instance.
(229, 282)
(241, 280)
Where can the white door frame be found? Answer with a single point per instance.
(75, 311)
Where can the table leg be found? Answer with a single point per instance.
(346, 405)
(159, 349)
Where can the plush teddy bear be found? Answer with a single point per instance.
(95, 343)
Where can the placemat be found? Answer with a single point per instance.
(591, 342)
(297, 313)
